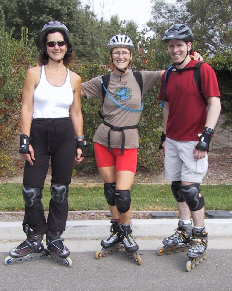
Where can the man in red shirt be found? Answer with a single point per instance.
(186, 114)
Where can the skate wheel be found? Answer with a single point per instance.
(19, 260)
(68, 262)
(8, 260)
(30, 258)
(98, 254)
(138, 259)
(110, 252)
(169, 250)
(188, 266)
(160, 251)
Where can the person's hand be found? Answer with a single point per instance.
(196, 56)
(199, 154)
(162, 148)
(78, 157)
(29, 157)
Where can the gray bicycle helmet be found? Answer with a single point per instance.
(121, 40)
(178, 31)
(53, 25)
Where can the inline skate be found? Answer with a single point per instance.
(56, 249)
(197, 248)
(28, 250)
(120, 239)
(179, 241)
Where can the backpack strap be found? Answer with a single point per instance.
(196, 75)
(139, 79)
(167, 74)
(105, 82)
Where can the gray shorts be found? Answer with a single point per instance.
(180, 164)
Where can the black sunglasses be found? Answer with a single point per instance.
(53, 43)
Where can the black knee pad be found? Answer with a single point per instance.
(59, 193)
(177, 191)
(192, 198)
(32, 196)
(109, 191)
(122, 200)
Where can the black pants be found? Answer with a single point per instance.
(53, 141)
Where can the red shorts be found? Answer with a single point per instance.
(113, 157)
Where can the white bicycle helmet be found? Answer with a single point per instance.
(51, 25)
(178, 31)
(121, 40)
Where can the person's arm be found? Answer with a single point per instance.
(165, 119)
(76, 113)
(214, 109)
(26, 115)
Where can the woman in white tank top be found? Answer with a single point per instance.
(51, 128)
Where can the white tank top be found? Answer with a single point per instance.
(52, 101)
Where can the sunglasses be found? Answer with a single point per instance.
(53, 43)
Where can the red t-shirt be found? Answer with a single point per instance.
(187, 108)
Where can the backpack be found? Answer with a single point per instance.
(196, 75)
(105, 80)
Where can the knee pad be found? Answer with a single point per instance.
(177, 191)
(32, 196)
(192, 198)
(122, 200)
(109, 191)
(59, 193)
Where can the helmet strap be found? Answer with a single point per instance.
(55, 60)
(122, 71)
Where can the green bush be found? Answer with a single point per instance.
(15, 58)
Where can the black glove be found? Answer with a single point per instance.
(80, 144)
(204, 139)
(162, 139)
(24, 144)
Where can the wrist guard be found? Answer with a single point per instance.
(162, 139)
(80, 144)
(204, 139)
(24, 144)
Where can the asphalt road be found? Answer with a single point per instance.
(119, 272)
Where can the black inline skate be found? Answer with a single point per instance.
(57, 250)
(119, 239)
(178, 241)
(197, 249)
(29, 249)
(113, 238)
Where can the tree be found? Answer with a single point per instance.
(33, 14)
(210, 21)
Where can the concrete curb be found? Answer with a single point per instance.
(98, 229)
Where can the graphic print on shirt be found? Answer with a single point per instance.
(122, 94)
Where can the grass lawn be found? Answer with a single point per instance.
(144, 197)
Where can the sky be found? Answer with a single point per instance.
(136, 10)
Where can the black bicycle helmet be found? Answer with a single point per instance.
(120, 40)
(178, 31)
(53, 25)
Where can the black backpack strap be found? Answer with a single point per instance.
(197, 77)
(167, 74)
(139, 79)
(105, 82)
